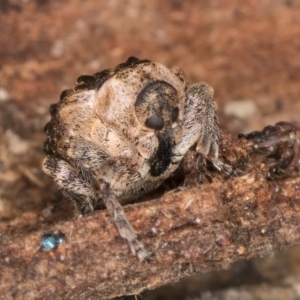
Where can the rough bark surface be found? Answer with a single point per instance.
(193, 229)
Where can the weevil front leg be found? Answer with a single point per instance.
(124, 227)
(200, 125)
(73, 187)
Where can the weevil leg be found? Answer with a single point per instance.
(124, 227)
(70, 183)
(200, 124)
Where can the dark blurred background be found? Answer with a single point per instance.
(249, 51)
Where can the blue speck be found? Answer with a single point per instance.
(50, 241)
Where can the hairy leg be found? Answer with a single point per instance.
(124, 227)
(73, 187)
(200, 125)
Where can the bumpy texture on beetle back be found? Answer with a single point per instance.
(121, 132)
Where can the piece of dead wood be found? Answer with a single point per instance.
(192, 229)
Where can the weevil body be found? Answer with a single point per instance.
(121, 132)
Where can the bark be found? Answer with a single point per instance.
(192, 229)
